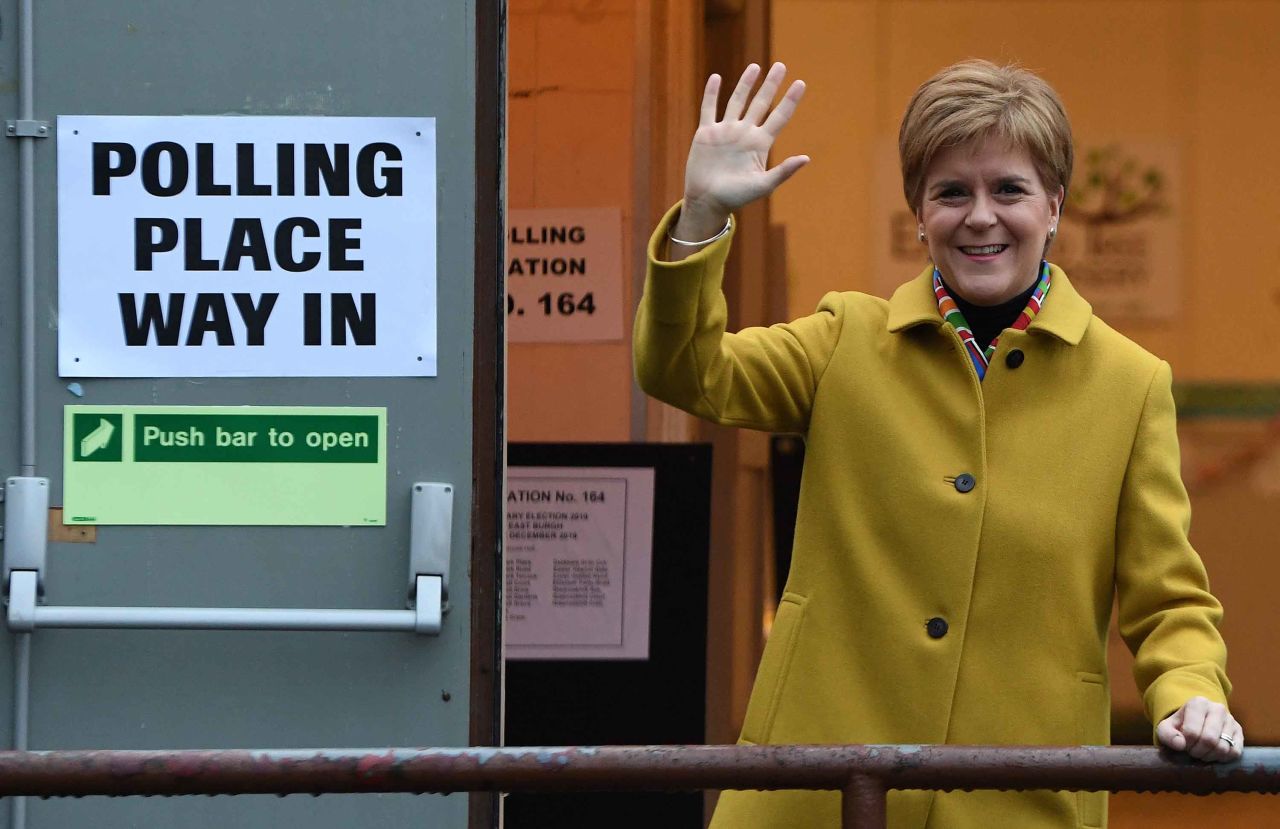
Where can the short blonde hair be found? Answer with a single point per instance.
(974, 99)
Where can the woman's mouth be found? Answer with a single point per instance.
(982, 250)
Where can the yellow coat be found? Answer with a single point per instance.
(1076, 497)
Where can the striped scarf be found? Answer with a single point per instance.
(951, 313)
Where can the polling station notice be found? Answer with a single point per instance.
(564, 275)
(202, 246)
(253, 465)
(578, 562)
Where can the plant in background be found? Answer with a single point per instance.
(1115, 188)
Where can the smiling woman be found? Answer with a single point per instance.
(957, 549)
(987, 219)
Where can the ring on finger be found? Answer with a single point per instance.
(1227, 739)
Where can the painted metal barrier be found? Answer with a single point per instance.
(862, 773)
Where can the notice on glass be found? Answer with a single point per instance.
(578, 555)
(564, 275)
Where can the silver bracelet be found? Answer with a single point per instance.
(727, 224)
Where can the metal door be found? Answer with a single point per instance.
(113, 688)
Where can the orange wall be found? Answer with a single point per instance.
(569, 109)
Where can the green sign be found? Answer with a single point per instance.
(225, 465)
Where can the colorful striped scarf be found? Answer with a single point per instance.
(951, 313)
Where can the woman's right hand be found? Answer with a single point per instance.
(728, 160)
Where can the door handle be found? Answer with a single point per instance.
(431, 527)
(26, 614)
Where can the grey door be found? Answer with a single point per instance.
(243, 688)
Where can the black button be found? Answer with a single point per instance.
(937, 627)
(964, 482)
(1014, 358)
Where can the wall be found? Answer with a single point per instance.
(570, 104)
(585, 77)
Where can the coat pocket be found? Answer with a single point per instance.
(775, 665)
(1093, 715)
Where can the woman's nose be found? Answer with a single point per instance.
(981, 213)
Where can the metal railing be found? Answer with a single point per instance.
(862, 773)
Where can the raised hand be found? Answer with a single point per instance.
(728, 159)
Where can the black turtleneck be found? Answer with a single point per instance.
(987, 321)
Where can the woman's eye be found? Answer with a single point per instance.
(951, 193)
(1008, 189)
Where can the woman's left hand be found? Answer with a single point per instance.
(1205, 730)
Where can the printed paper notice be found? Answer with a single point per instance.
(246, 246)
(564, 275)
(578, 554)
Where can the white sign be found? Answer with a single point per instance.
(193, 246)
(564, 275)
(578, 553)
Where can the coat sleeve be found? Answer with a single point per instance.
(760, 378)
(1168, 617)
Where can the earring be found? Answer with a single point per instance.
(920, 235)
(1053, 231)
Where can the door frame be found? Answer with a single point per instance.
(488, 387)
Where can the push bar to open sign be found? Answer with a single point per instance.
(26, 615)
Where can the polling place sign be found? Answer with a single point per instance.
(194, 246)
(255, 465)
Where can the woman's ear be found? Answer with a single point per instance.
(1056, 203)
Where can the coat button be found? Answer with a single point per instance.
(937, 627)
(1014, 358)
(964, 482)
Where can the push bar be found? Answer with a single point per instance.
(26, 615)
(25, 549)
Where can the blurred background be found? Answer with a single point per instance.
(1170, 231)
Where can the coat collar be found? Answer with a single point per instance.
(1065, 314)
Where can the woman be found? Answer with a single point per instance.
(988, 464)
